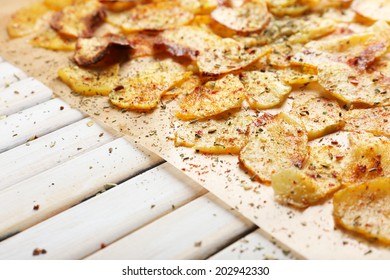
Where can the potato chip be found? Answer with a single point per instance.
(153, 16)
(59, 5)
(198, 6)
(319, 115)
(79, 20)
(373, 120)
(49, 39)
(120, 6)
(23, 22)
(229, 56)
(365, 208)
(264, 90)
(293, 10)
(212, 98)
(352, 86)
(90, 51)
(143, 44)
(90, 81)
(369, 158)
(186, 87)
(373, 9)
(293, 76)
(282, 53)
(144, 92)
(279, 144)
(223, 134)
(251, 16)
(320, 177)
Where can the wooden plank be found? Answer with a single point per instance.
(253, 246)
(61, 187)
(39, 120)
(23, 94)
(50, 150)
(10, 74)
(83, 229)
(194, 231)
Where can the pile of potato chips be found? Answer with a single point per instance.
(270, 81)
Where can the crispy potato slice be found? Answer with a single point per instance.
(373, 120)
(293, 76)
(90, 51)
(144, 92)
(373, 9)
(59, 5)
(143, 44)
(122, 5)
(23, 22)
(186, 87)
(212, 98)
(282, 53)
(229, 56)
(49, 39)
(293, 10)
(79, 20)
(264, 90)
(319, 115)
(198, 6)
(369, 158)
(365, 209)
(358, 50)
(188, 40)
(90, 81)
(351, 86)
(279, 144)
(153, 16)
(251, 16)
(221, 135)
(320, 177)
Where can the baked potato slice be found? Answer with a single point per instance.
(264, 90)
(374, 120)
(220, 135)
(212, 98)
(153, 16)
(23, 22)
(145, 92)
(186, 87)
(373, 9)
(296, 76)
(78, 20)
(90, 81)
(319, 115)
(278, 144)
(249, 16)
(369, 158)
(365, 209)
(320, 177)
(47, 38)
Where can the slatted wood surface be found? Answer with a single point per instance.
(78, 190)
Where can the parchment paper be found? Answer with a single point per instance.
(310, 233)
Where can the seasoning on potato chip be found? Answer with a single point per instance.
(364, 208)
(264, 90)
(212, 98)
(280, 143)
(90, 81)
(250, 16)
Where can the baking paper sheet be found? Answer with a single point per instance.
(310, 233)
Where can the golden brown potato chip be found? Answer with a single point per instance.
(251, 16)
(223, 134)
(319, 115)
(365, 209)
(79, 20)
(153, 16)
(282, 53)
(293, 10)
(186, 87)
(264, 90)
(229, 56)
(90, 51)
(212, 98)
(122, 5)
(280, 143)
(320, 177)
(59, 5)
(352, 86)
(374, 120)
(373, 9)
(369, 158)
(23, 22)
(198, 6)
(90, 81)
(49, 39)
(143, 44)
(296, 76)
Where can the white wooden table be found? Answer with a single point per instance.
(71, 189)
